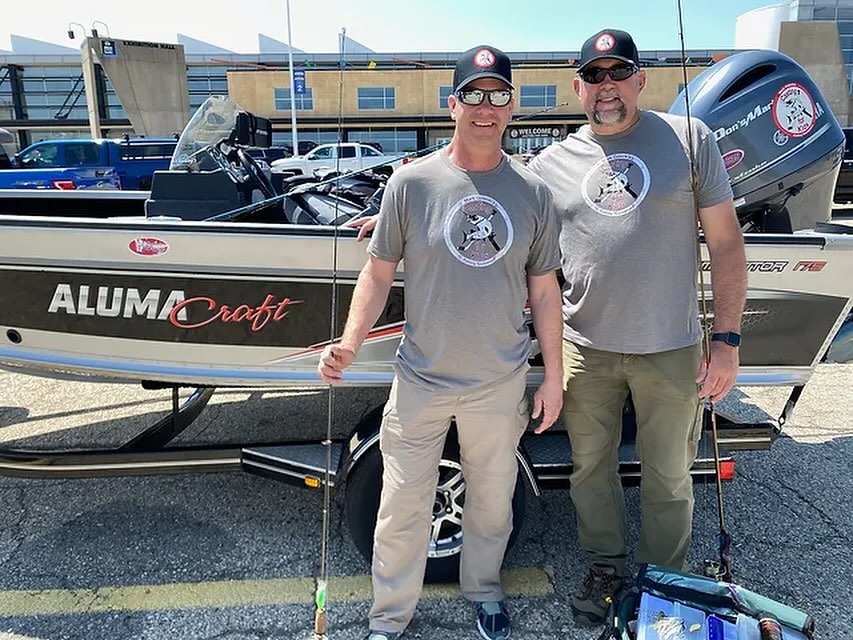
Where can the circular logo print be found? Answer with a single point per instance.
(794, 111)
(605, 42)
(478, 231)
(732, 158)
(484, 58)
(780, 138)
(616, 185)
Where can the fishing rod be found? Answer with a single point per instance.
(720, 569)
(320, 592)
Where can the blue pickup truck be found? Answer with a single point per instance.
(126, 163)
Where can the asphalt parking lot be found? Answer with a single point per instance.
(231, 556)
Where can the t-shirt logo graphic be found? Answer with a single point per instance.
(478, 231)
(484, 58)
(605, 42)
(794, 110)
(616, 185)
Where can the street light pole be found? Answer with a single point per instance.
(295, 136)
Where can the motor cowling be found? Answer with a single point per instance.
(780, 142)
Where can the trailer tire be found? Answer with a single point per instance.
(364, 486)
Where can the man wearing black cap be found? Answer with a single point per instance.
(625, 198)
(478, 237)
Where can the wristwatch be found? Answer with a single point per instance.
(729, 337)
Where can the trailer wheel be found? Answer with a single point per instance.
(364, 486)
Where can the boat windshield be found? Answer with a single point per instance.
(213, 121)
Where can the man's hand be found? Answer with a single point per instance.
(547, 401)
(365, 225)
(333, 361)
(718, 377)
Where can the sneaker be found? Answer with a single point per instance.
(383, 635)
(592, 599)
(492, 620)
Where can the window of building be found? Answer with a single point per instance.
(54, 93)
(390, 141)
(204, 81)
(383, 98)
(539, 96)
(823, 13)
(308, 138)
(304, 101)
(444, 93)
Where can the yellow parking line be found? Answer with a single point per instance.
(232, 593)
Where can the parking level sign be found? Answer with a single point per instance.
(299, 81)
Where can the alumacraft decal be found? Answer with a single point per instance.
(112, 302)
(185, 308)
(257, 317)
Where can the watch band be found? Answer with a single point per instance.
(731, 338)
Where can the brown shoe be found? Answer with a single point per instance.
(592, 598)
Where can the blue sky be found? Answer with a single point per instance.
(386, 25)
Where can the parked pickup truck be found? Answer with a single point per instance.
(60, 178)
(342, 157)
(131, 160)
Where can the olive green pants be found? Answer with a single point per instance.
(665, 396)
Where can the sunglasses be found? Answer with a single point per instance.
(473, 97)
(596, 75)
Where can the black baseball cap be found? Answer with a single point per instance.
(483, 61)
(609, 43)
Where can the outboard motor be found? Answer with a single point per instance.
(781, 143)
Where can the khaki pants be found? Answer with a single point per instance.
(490, 423)
(665, 395)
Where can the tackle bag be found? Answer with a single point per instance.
(670, 605)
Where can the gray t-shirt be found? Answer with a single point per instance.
(628, 231)
(468, 241)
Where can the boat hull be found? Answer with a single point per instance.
(251, 304)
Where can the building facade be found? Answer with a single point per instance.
(760, 28)
(396, 100)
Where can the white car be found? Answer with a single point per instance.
(340, 158)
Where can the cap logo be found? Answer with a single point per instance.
(484, 58)
(605, 42)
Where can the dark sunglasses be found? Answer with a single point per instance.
(473, 97)
(596, 75)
